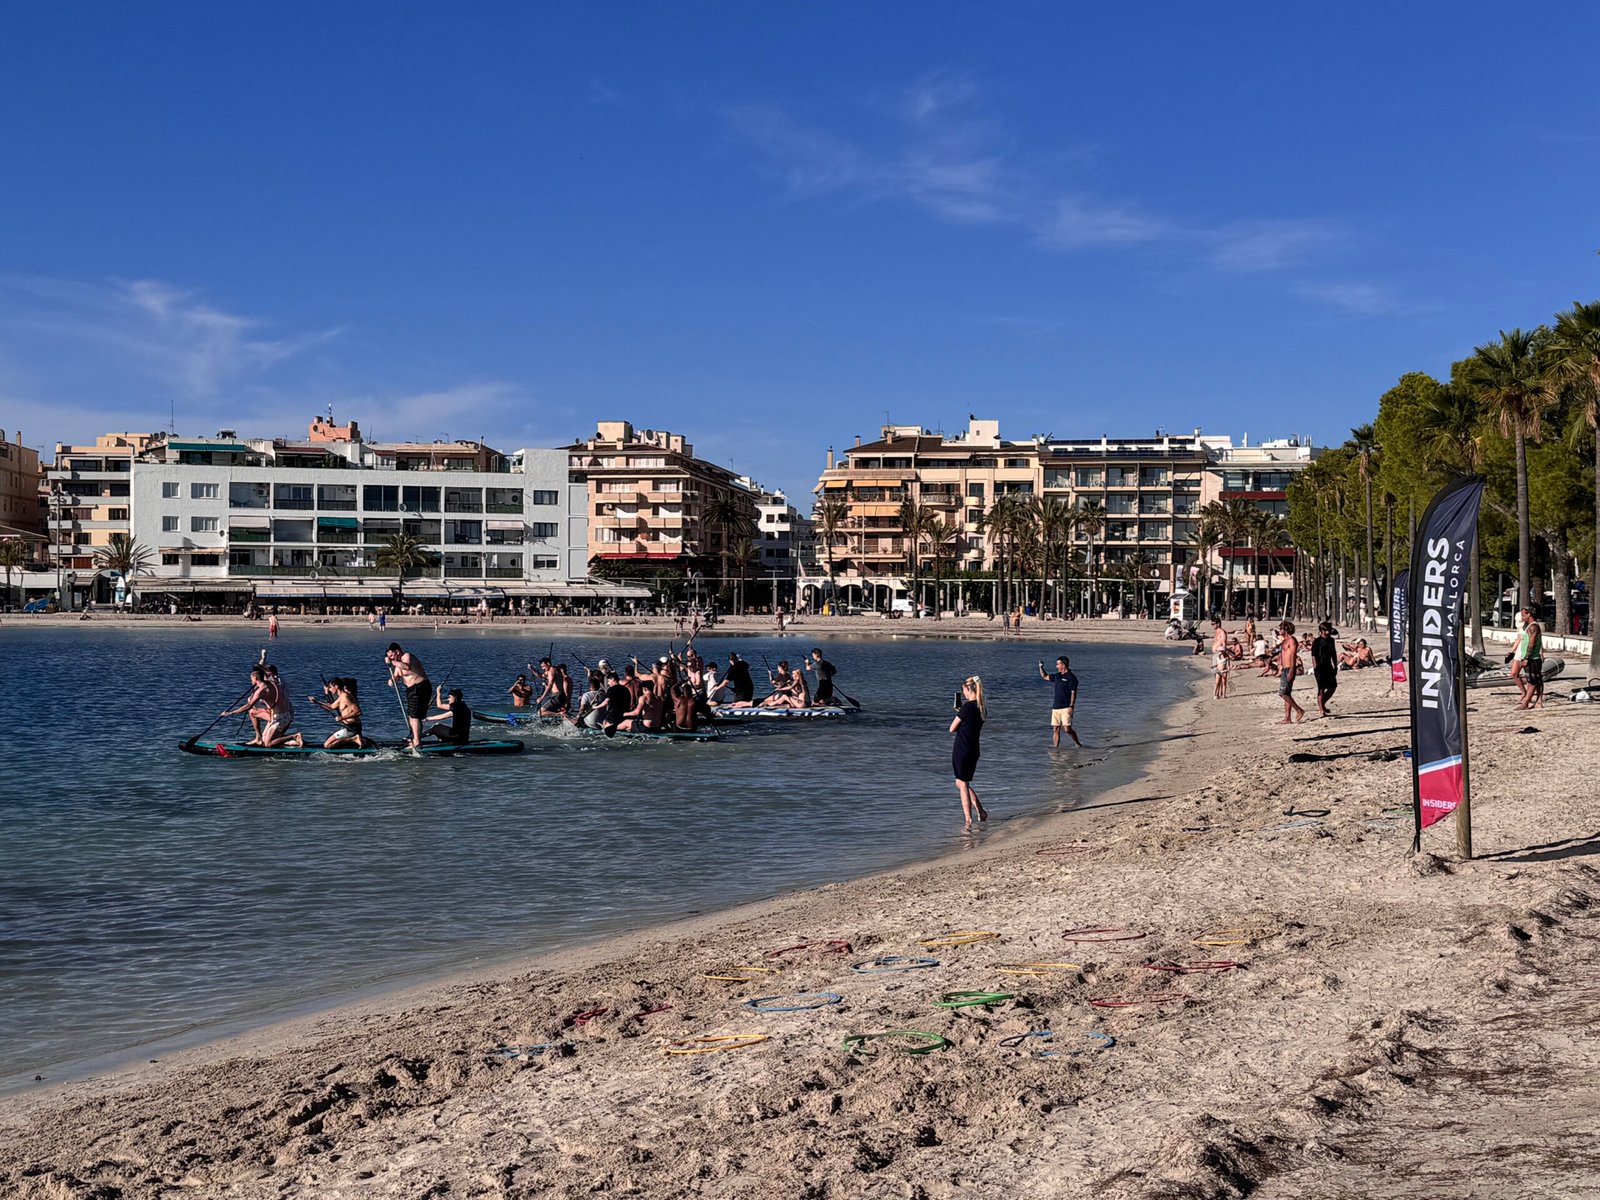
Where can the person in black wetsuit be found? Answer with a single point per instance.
(738, 677)
(454, 718)
(1325, 665)
(825, 672)
(968, 727)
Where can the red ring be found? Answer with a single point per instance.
(1071, 935)
(1131, 1001)
(583, 1018)
(650, 1012)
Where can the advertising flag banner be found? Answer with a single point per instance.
(1397, 626)
(1438, 587)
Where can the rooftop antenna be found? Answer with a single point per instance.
(172, 416)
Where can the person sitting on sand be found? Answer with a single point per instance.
(1356, 655)
(453, 718)
(1261, 655)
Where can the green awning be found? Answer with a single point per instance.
(336, 522)
(205, 447)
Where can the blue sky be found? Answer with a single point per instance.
(767, 226)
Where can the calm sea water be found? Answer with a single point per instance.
(147, 895)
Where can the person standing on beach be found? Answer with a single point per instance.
(1325, 666)
(1288, 668)
(1066, 699)
(406, 671)
(1527, 667)
(968, 727)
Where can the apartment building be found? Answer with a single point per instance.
(90, 496)
(305, 520)
(653, 506)
(1260, 476)
(1150, 490)
(21, 512)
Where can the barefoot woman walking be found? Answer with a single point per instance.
(967, 727)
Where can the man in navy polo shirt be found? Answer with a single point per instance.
(1066, 698)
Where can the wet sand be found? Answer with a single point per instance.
(1391, 1026)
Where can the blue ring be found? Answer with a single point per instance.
(1016, 1039)
(892, 962)
(760, 1002)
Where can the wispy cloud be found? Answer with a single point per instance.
(1363, 299)
(932, 145)
(167, 333)
(600, 93)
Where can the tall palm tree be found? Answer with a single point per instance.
(1507, 378)
(124, 556)
(1455, 421)
(830, 514)
(402, 553)
(1205, 542)
(915, 520)
(13, 557)
(1091, 520)
(1364, 441)
(1268, 532)
(732, 519)
(1575, 360)
(744, 555)
(1231, 521)
(1054, 518)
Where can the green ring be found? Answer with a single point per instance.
(856, 1042)
(972, 999)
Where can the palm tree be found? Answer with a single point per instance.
(732, 519)
(1268, 532)
(1456, 421)
(1133, 569)
(830, 513)
(1506, 376)
(13, 556)
(1575, 359)
(744, 555)
(1205, 542)
(915, 520)
(943, 534)
(1091, 519)
(124, 556)
(1055, 520)
(1230, 519)
(1364, 441)
(402, 553)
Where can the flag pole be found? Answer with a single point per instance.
(1464, 809)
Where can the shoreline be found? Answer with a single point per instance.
(1395, 1026)
(205, 1042)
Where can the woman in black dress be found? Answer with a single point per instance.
(967, 727)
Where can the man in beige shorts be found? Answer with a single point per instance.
(1066, 699)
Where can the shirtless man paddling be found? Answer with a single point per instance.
(406, 670)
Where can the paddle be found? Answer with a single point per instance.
(190, 744)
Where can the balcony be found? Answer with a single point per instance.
(252, 502)
(464, 572)
(294, 505)
(337, 505)
(502, 572)
(499, 506)
(507, 538)
(465, 506)
(249, 535)
(337, 537)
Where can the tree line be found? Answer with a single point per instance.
(1521, 410)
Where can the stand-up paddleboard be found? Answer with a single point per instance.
(814, 713)
(529, 719)
(211, 749)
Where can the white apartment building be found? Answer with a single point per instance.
(304, 522)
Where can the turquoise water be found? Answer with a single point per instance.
(148, 895)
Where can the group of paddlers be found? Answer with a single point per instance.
(675, 693)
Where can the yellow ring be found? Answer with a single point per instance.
(749, 977)
(713, 1044)
(1219, 937)
(964, 937)
(1036, 968)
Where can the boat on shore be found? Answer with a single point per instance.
(1483, 672)
(215, 749)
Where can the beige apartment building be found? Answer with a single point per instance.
(91, 496)
(21, 514)
(1150, 489)
(654, 506)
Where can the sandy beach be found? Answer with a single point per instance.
(1361, 1022)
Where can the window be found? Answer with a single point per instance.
(975, 491)
(420, 499)
(117, 514)
(202, 491)
(1017, 462)
(1087, 477)
(1152, 476)
(543, 563)
(540, 497)
(169, 491)
(206, 560)
(169, 524)
(169, 560)
(202, 524)
(544, 529)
